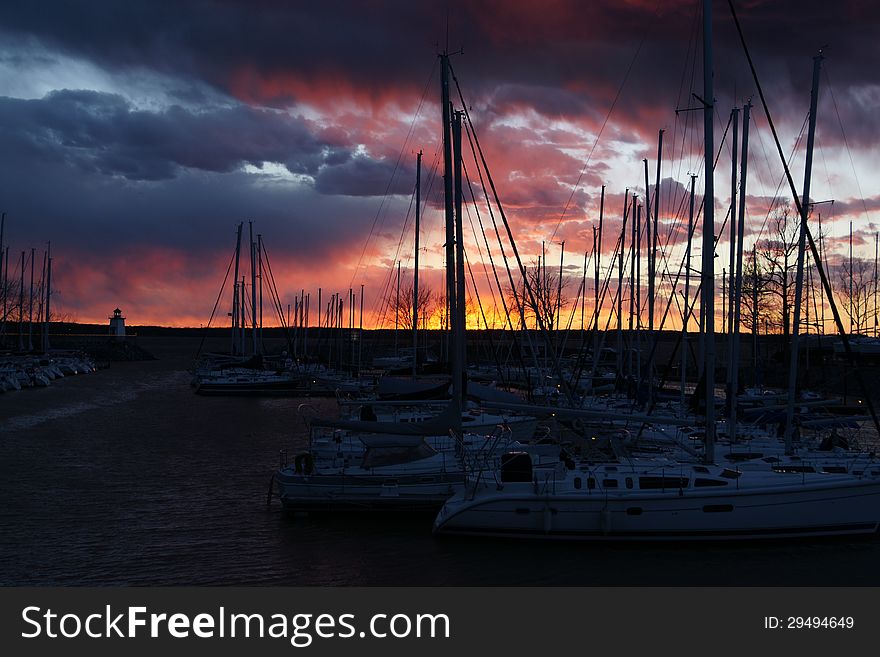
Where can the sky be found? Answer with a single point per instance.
(136, 136)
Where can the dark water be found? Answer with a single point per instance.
(126, 477)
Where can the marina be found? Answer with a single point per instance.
(458, 410)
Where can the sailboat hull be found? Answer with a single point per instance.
(422, 492)
(832, 507)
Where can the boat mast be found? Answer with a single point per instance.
(620, 268)
(799, 279)
(583, 295)
(876, 254)
(737, 288)
(397, 310)
(235, 309)
(48, 295)
(31, 305)
(445, 106)
(687, 296)
(253, 286)
(639, 298)
(851, 305)
(460, 305)
(728, 288)
(632, 285)
(597, 256)
(559, 286)
(260, 275)
(707, 274)
(415, 315)
(653, 270)
(21, 306)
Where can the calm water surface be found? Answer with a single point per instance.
(126, 477)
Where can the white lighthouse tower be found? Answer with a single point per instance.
(117, 325)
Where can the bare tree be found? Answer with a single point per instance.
(778, 256)
(755, 292)
(547, 299)
(401, 305)
(856, 278)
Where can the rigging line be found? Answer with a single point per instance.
(393, 174)
(492, 349)
(775, 200)
(807, 233)
(467, 262)
(690, 64)
(381, 302)
(379, 305)
(528, 288)
(515, 341)
(473, 228)
(387, 304)
(273, 289)
(648, 26)
(513, 288)
(498, 236)
(846, 143)
(216, 303)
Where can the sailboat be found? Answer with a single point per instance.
(240, 372)
(665, 499)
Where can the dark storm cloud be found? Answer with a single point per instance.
(584, 47)
(91, 214)
(104, 133)
(360, 176)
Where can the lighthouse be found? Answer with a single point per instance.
(117, 325)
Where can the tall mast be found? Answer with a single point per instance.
(445, 105)
(234, 350)
(620, 257)
(415, 322)
(253, 286)
(21, 306)
(737, 277)
(48, 296)
(242, 317)
(728, 289)
(639, 296)
(687, 295)
(460, 319)
(559, 287)
(653, 268)
(708, 266)
(734, 147)
(755, 314)
(851, 297)
(31, 306)
(876, 255)
(632, 283)
(583, 299)
(260, 276)
(397, 308)
(597, 255)
(799, 279)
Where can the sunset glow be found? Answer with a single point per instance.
(137, 136)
